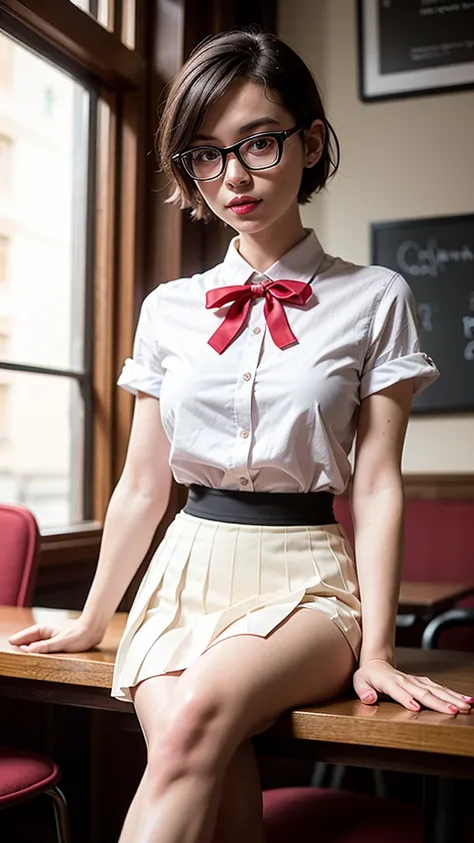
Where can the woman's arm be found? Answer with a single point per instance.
(378, 513)
(136, 507)
(377, 504)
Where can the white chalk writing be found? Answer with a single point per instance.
(431, 260)
(425, 313)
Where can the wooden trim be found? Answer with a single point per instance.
(439, 486)
(162, 244)
(58, 534)
(81, 38)
(104, 289)
(80, 545)
(120, 269)
(128, 264)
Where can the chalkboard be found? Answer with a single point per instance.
(436, 258)
(413, 47)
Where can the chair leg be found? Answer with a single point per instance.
(338, 775)
(318, 776)
(61, 815)
(442, 815)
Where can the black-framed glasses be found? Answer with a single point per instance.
(258, 152)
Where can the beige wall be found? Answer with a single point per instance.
(400, 159)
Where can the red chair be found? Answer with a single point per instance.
(25, 774)
(19, 552)
(311, 814)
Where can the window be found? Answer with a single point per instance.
(47, 291)
(98, 9)
(5, 62)
(4, 426)
(42, 429)
(70, 261)
(6, 144)
(4, 337)
(48, 101)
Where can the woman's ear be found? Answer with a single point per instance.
(313, 140)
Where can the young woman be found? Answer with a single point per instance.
(252, 381)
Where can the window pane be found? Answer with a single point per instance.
(98, 9)
(5, 62)
(41, 446)
(43, 206)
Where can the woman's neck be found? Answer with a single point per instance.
(264, 248)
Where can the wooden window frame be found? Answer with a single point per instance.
(75, 41)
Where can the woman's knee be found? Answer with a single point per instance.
(191, 741)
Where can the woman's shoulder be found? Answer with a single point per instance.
(360, 273)
(366, 279)
(184, 288)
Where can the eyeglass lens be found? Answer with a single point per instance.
(259, 153)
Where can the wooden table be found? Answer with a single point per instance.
(426, 600)
(344, 731)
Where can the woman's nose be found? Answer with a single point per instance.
(235, 172)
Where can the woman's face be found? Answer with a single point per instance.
(244, 111)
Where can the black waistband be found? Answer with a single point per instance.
(265, 508)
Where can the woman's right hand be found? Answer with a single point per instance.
(74, 637)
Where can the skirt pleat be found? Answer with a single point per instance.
(211, 580)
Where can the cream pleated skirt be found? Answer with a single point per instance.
(210, 580)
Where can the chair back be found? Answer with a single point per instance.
(19, 553)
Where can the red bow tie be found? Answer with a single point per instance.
(275, 292)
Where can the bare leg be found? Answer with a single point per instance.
(216, 705)
(162, 689)
(240, 808)
(239, 816)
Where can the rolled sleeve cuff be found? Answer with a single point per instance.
(418, 366)
(137, 378)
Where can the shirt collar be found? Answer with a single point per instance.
(300, 263)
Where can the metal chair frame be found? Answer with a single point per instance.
(448, 620)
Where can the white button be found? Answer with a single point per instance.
(247, 376)
(244, 434)
(243, 481)
(257, 330)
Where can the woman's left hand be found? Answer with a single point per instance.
(377, 676)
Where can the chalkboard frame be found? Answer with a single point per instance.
(369, 77)
(412, 225)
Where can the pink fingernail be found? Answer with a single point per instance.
(469, 699)
(414, 704)
(368, 698)
(453, 708)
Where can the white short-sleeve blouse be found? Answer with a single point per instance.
(257, 417)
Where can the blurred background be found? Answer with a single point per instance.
(85, 235)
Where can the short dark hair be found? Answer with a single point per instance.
(215, 65)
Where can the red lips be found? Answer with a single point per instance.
(243, 204)
(242, 200)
